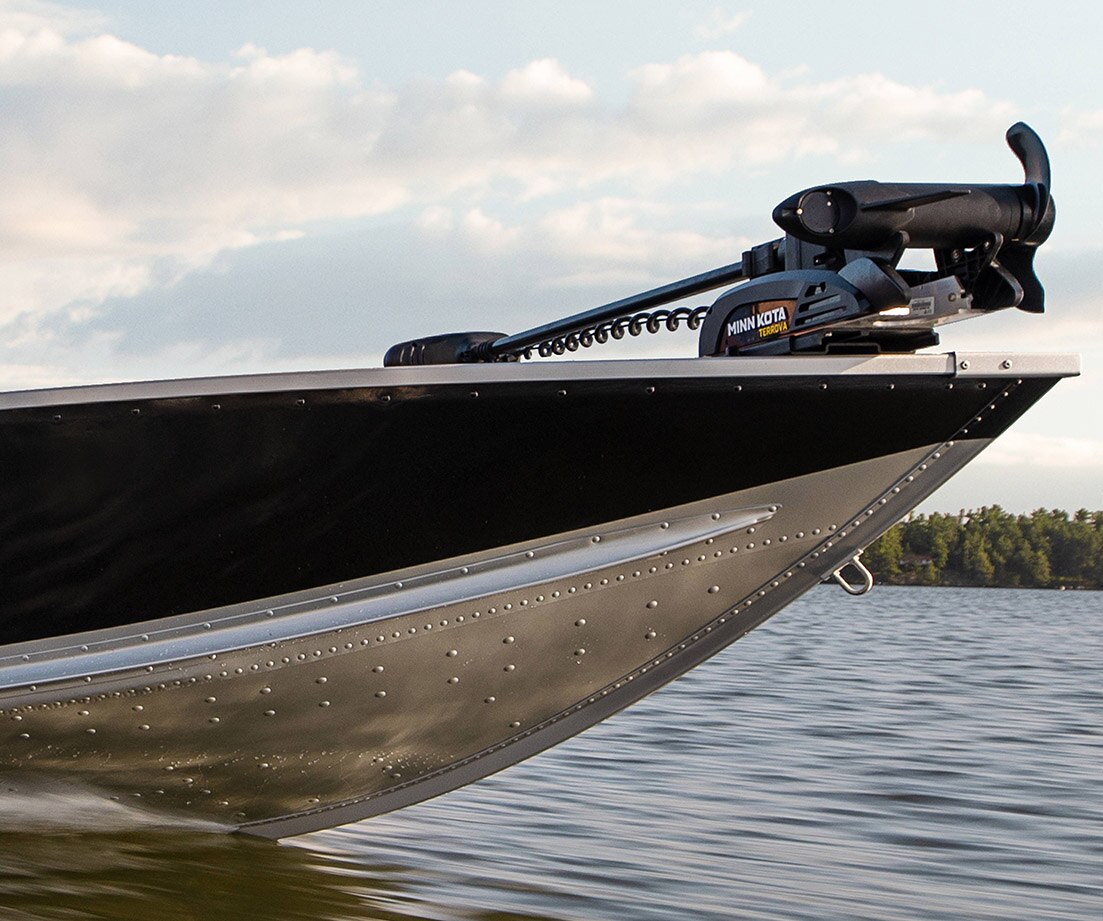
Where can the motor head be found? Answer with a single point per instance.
(1004, 224)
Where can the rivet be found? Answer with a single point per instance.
(652, 604)
(380, 693)
(452, 652)
(508, 640)
(377, 669)
(269, 712)
(650, 635)
(211, 700)
(214, 719)
(453, 680)
(581, 622)
(509, 668)
(580, 652)
(143, 726)
(320, 680)
(514, 724)
(713, 589)
(324, 703)
(489, 700)
(262, 690)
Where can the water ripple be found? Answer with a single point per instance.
(915, 754)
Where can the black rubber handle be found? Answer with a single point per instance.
(1030, 150)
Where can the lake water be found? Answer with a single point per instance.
(916, 753)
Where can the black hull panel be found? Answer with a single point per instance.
(125, 510)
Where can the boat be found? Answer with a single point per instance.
(283, 602)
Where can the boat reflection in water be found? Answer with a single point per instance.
(285, 602)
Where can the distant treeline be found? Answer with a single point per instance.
(1045, 549)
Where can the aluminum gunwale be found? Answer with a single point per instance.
(963, 364)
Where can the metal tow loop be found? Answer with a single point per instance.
(850, 587)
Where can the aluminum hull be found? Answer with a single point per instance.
(285, 711)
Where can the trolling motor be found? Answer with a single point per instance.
(832, 283)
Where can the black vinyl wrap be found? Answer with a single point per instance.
(114, 512)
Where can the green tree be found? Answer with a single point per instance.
(882, 557)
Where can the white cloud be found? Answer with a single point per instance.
(125, 168)
(1080, 128)
(544, 82)
(1031, 450)
(719, 23)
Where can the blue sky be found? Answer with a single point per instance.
(242, 186)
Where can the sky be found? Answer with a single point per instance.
(233, 187)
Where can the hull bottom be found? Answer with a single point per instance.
(323, 708)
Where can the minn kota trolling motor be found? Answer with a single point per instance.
(832, 283)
